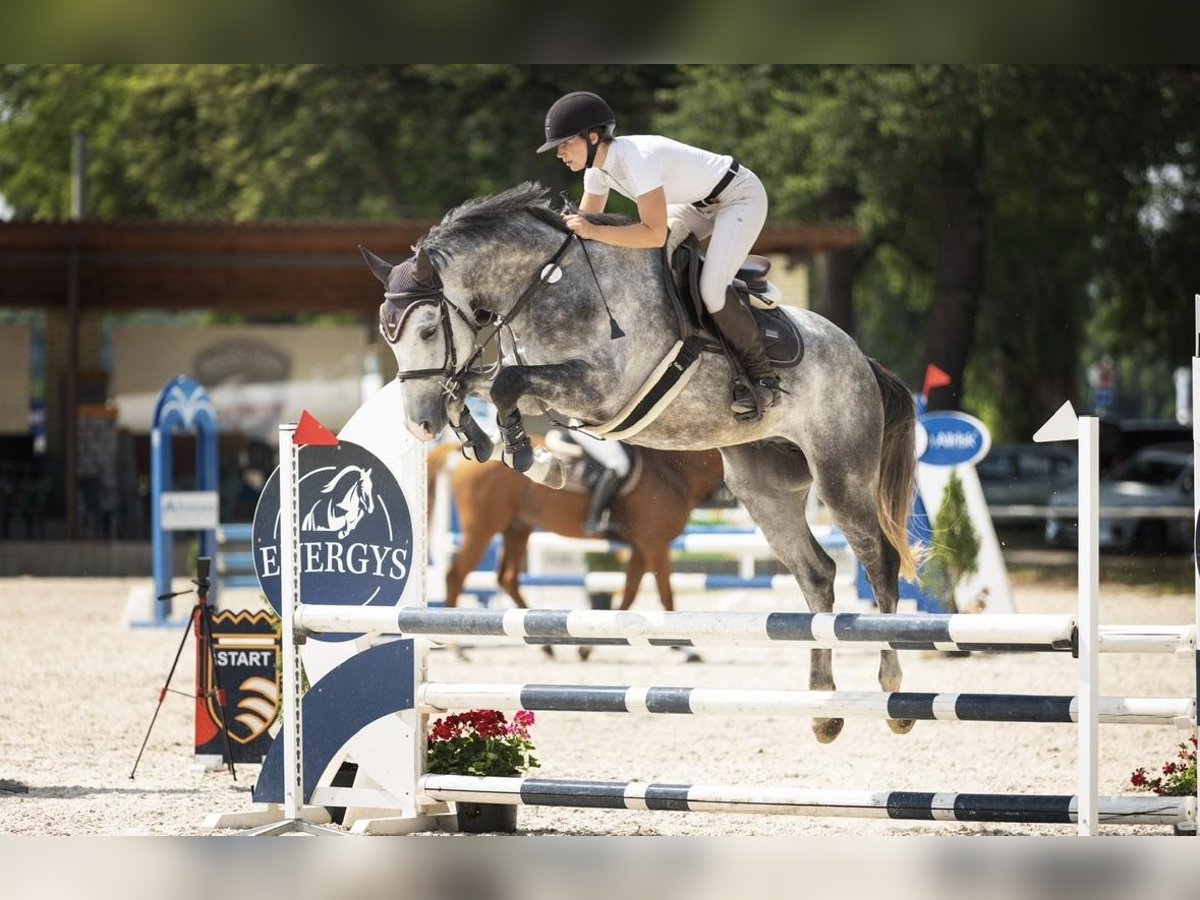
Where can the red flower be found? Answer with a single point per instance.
(524, 718)
(481, 742)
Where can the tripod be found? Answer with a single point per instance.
(201, 620)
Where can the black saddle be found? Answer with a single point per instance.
(781, 340)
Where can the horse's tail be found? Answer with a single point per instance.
(897, 466)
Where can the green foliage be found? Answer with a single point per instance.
(252, 142)
(955, 552)
(1088, 177)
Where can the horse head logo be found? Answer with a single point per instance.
(352, 496)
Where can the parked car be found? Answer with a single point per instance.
(1145, 504)
(1018, 480)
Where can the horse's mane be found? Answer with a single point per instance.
(484, 216)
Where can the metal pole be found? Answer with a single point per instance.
(1196, 503)
(78, 213)
(1087, 622)
(289, 541)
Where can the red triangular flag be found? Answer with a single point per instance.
(934, 378)
(310, 432)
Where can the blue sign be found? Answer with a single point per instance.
(183, 407)
(356, 534)
(953, 439)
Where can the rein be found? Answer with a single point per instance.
(410, 300)
(548, 274)
(455, 374)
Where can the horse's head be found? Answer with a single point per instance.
(429, 335)
(467, 272)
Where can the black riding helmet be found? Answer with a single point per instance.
(574, 114)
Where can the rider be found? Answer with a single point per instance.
(712, 195)
(615, 460)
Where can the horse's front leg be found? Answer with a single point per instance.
(476, 443)
(550, 385)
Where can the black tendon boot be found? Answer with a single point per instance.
(602, 494)
(741, 333)
(516, 441)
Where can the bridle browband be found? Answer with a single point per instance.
(433, 294)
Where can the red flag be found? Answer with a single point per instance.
(934, 378)
(311, 432)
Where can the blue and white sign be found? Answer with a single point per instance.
(188, 510)
(356, 531)
(953, 439)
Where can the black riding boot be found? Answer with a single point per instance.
(602, 494)
(741, 333)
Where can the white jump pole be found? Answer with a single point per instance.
(289, 541)
(1064, 425)
(1087, 623)
(1196, 499)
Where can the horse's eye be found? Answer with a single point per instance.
(427, 332)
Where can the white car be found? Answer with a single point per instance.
(1146, 504)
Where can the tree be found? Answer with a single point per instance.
(247, 142)
(1017, 221)
(955, 552)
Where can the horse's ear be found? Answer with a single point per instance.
(379, 267)
(426, 275)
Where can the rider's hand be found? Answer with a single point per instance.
(579, 225)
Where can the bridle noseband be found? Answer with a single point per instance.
(408, 302)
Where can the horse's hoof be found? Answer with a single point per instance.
(689, 655)
(901, 726)
(522, 458)
(584, 653)
(547, 651)
(827, 730)
(477, 445)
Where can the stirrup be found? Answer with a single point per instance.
(599, 528)
(516, 442)
(751, 398)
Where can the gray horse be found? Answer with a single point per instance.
(586, 325)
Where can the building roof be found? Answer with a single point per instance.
(286, 267)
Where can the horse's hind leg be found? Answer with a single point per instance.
(853, 507)
(773, 484)
(512, 562)
(634, 570)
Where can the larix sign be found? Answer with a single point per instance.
(954, 439)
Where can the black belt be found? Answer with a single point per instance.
(721, 185)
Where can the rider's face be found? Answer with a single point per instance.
(573, 153)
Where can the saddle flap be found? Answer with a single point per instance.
(781, 339)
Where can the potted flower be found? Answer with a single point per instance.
(482, 742)
(1178, 777)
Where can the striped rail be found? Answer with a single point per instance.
(911, 805)
(437, 697)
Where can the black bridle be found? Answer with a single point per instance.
(434, 295)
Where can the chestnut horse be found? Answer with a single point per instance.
(493, 498)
